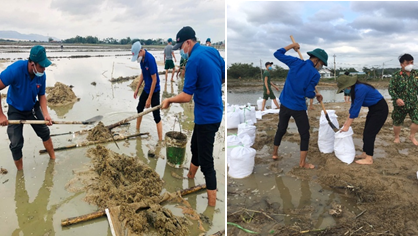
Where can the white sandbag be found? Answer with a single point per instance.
(326, 134)
(242, 162)
(232, 141)
(259, 103)
(244, 114)
(344, 146)
(273, 106)
(246, 129)
(252, 114)
(233, 119)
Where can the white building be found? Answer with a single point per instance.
(325, 73)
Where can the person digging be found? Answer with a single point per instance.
(300, 84)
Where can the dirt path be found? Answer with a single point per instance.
(386, 191)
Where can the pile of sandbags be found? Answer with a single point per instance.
(239, 114)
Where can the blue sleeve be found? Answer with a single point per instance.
(288, 60)
(152, 66)
(7, 76)
(360, 95)
(190, 77)
(310, 90)
(222, 67)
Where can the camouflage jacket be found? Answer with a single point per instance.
(404, 87)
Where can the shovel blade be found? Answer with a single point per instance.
(93, 120)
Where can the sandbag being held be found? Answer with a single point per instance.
(344, 146)
(326, 134)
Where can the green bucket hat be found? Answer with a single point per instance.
(345, 81)
(38, 55)
(320, 54)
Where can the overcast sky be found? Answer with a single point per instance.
(358, 33)
(115, 18)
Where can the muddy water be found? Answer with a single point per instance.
(34, 202)
(252, 97)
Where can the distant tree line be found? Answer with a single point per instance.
(250, 71)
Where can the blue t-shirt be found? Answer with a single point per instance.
(300, 82)
(149, 67)
(205, 71)
(23, 90)
(365, 96)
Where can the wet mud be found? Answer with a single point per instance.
(385, 193)
(99, 133)
(60, 95)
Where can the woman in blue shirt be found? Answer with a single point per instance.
(363, 94)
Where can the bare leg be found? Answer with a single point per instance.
(192, 171)
(362, 156)
(138, 123)
(160, 130)
(211, 197)
(311, 107)
(366, 161)
(172, 76)
(275, 152)
(302, 162)
(166, 73)
(50, 148)
(414, 129)
(19, 164)
(264, 104)
(397, 131)
(276, 103)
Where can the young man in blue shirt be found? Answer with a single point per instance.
(300, 84)
(150, 96)
(205, 73)
(27, 101)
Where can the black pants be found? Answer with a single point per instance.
(375, 120)
(155, 101)
(15, 132)
(202, 151)
(302, 122)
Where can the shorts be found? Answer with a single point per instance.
(346, 94)
(15, 132)
(169, 64)
(267, 96)
(155, 101)
(399, 114)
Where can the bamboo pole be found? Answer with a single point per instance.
(97, 214)
(133, 117)
(93, 142)
(41, 122)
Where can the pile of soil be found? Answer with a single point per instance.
(123, 79)
(385, 191)
(131, 190)
(60, 95)
(99, 133)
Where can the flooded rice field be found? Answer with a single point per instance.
(34, 202)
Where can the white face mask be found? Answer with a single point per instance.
(139, 59)
(409, 67)
(37, 73)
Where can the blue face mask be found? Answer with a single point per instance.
(37, 73)
(270, 68)
(184, 55)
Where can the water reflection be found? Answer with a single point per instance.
(33, 217)
(61, 111)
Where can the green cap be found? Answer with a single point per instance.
(345, 81)
(38, 55)
(320, 54)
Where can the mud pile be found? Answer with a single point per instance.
(123, 79)
(99, 133)
(60, 95)
(131, 190)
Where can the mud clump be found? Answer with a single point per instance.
(3, 171)
(131, 190)
(99, 133)
(60, 95)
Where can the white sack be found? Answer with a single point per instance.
(232, 141)
(233, 119)
(344, 146)
(246, 129)
(241, 162)
(326, 134)
(259, 103)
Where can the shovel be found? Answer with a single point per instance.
(316, 91)
(41, 122)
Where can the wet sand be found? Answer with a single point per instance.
(379, 199)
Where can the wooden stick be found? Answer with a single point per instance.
(133, 117)
(93, 142)
(41, 122)
(97, 214)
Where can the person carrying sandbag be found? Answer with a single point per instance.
(364, 94)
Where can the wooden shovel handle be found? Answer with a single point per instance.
(41, 122)
(297, 50)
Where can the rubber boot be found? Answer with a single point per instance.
(19, 164)
(192, 171)
(211, 197)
